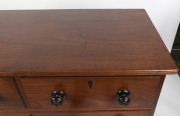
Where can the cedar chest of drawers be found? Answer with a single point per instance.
(81, 63)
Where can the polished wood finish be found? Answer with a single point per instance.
(46, 50)
(15, 113)
(104, 113)
(22, 92)
(157, 94)
(9, 96)
(81, 43)
(102, 95)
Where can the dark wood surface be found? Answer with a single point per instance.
(114, 113)
(158, 91)
(9, 96)
(102, 95)
(98, 113)
(116, 49)
(14, 114)
(81, 43)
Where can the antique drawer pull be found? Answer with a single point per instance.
(123, 97)
(57, 98)
(90, 83)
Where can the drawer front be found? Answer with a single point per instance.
(14, 114)
(105, 113)
(9, 96)
(91, 93)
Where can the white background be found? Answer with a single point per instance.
(165, 14)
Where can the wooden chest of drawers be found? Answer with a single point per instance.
(80, 63)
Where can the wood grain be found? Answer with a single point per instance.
(21, 91)
(46, 50)
(9, 96)
(158, 91)
(102, 95)
(81, 43)
(105, 113)
(14, 114)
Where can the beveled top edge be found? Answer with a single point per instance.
(89, 73)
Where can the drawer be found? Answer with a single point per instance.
(9, 96)
(13, 114)
(105, 113)
(101, 95)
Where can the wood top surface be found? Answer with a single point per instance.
(81, 43)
